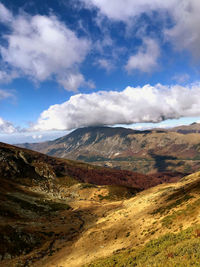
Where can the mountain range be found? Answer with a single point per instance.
(150, 151)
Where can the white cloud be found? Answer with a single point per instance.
(133, 105)
(125, 9)
(185, 20)
(5, 14)
(181, 78)
(72, 81)
(42, 48)
(105, 64)
(146, 58)
(6, 127)
(148, 126)
(29, 137)
(185, 34)
(7, 76)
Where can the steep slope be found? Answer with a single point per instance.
(141, 151)
(81, 137)
(30, 168)
(48, 218)
(157, 227)
(168, 227)
(40, 196)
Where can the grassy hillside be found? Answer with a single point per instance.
(141, 151)
(181, 249)
(174, 238)
(158, 227)
(37, 198)
(48, 217)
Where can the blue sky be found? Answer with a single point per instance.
(72, 63)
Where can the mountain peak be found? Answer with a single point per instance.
(142, 151)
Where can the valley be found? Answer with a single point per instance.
(57, 212)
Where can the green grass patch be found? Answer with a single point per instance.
(183, 214)
(182, 249)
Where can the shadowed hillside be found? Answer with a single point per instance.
(49, 217)
(29, 168)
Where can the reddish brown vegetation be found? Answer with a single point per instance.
(22, 163)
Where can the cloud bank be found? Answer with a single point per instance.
(133, 105)
(42, 48)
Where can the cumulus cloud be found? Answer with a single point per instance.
(133, 105)
(6, 127)
(146, 58)
(42, 47)
(185, 34)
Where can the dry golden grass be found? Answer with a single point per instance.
(132, 225)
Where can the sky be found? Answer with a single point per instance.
(66, 64)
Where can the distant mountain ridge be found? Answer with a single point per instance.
(186, 129)
(156, 150)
